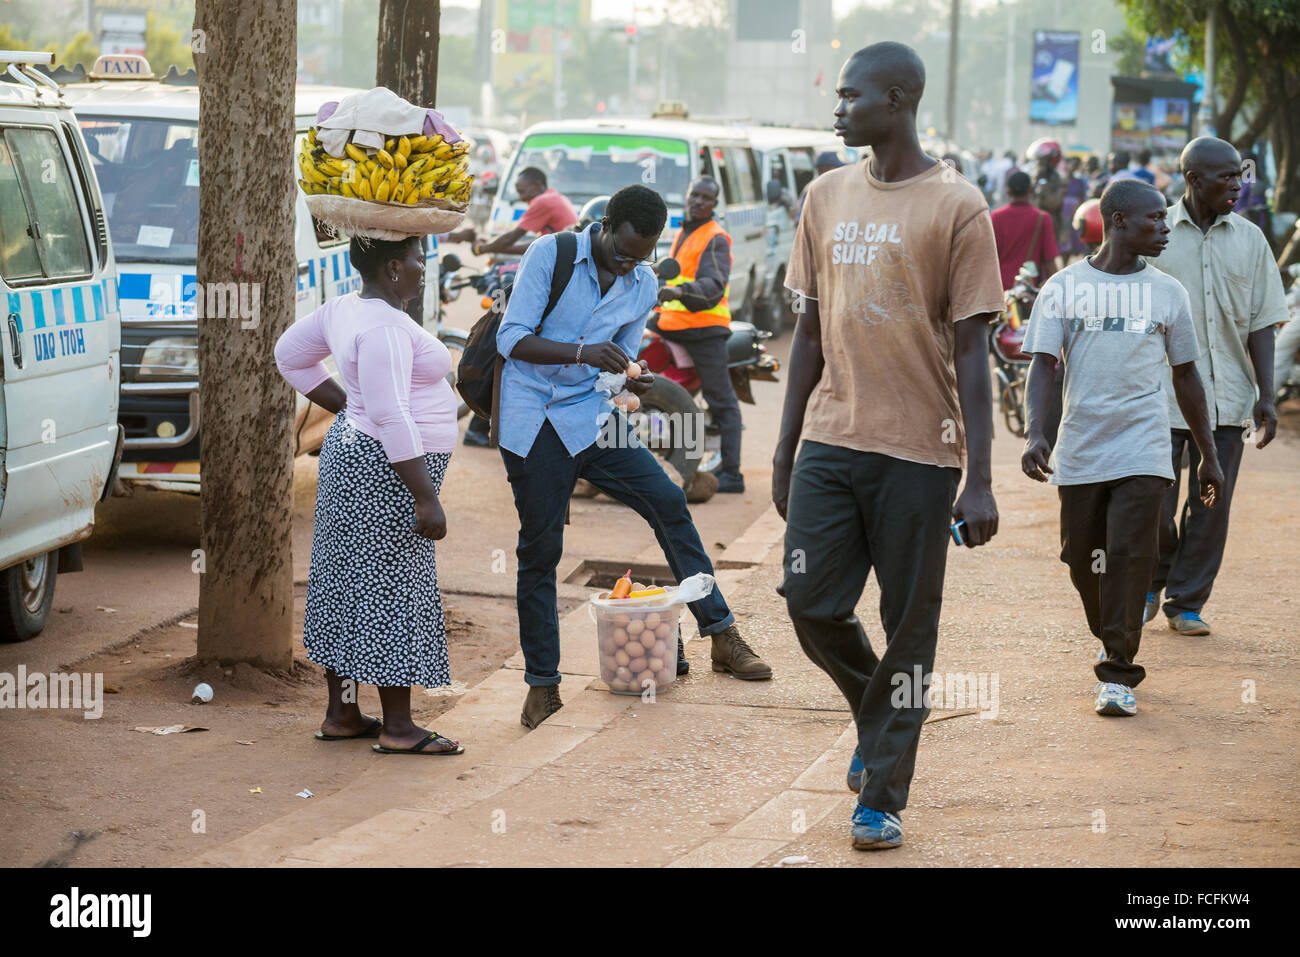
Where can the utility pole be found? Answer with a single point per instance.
(1009, 97)
(951, 132)
(557, 47)
(483, 57)
(631, 61)
(1205, 119)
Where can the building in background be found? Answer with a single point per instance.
(782, 61)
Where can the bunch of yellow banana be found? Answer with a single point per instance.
(407, 170)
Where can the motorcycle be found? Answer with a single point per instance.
(1006, 342)
(672, 400)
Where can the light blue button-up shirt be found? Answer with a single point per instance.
(566, 394)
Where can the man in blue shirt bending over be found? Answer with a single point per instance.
(552, 417)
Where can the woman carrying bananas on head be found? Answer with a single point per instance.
(348, 153)
(374, 612)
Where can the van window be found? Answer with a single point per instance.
(742, 174)
(778, 171)
(148, 173)
(42, 233)
(96, 215)
(706, 164)
(801, 162)
(583, 165)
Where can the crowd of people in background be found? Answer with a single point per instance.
(1063, 181)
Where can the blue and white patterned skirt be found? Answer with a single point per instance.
(374, 612)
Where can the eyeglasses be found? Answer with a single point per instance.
(620, 258)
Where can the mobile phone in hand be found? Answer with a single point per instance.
(957, 532)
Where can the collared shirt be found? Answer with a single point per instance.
(1235, 288)
(566, 394)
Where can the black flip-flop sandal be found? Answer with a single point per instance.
(419, 748)
(372, 731)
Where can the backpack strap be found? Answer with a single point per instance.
(566, 251)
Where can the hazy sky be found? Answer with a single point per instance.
(622, 9)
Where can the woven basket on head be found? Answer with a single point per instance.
(391, 221)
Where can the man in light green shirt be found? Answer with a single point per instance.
(1225, 264)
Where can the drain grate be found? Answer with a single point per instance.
(594, 573)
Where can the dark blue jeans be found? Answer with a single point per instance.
(542, 483)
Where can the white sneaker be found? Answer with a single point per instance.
(1116, 700)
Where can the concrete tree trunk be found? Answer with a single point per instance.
(246, 298)
(406, 62)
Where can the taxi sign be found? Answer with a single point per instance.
(670, 110)
(121, 66)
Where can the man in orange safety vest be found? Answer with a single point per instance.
(693, 312)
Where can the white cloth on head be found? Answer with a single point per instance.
(374, 116)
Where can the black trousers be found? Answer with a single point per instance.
(1192, 541)
(849, 513)
(710, 357)
(1108, 539)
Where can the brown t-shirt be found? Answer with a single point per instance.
(893, 267)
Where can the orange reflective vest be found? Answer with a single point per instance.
(674, 314)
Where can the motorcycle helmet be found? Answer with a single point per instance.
(1044, 148)
(1087, 222)
(593, 211)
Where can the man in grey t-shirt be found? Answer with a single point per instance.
(1114, 320)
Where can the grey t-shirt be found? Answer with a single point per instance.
(1115, 332)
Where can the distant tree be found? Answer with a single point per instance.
(81, 49)
(456, 83)
(1258, 72)
(166, 46)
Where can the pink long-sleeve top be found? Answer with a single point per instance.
(394, 372)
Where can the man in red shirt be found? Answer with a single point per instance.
(547, 212)
(1023, 233)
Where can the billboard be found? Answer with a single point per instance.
(1054, 85)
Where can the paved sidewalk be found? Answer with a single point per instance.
(722, 772)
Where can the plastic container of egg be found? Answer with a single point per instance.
(637, 642)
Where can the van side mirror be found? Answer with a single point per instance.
(491, 187)
(774, 191)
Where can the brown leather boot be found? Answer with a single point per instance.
(732, 656)
(541, 703)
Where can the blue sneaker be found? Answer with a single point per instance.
(1189, 623)
(875, 830)
(1152, 606)
(1116, 700)
(856, 767)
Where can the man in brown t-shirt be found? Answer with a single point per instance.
(896, 270)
